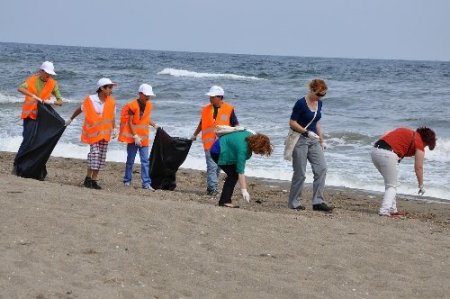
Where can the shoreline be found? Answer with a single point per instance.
(268, 195)
(286, 183)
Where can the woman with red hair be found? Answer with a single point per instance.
(389, 150)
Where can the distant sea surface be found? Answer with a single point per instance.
(365, 99)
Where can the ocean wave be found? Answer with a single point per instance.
(7, 99)
(441, 152)
(186, 73)
(10, 99)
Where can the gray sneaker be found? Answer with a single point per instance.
(148, 187)
(212, 192)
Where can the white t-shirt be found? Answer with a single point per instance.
(98, 105)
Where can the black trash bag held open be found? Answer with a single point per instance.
(49, 127)
(167, 155)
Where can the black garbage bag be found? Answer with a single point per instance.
(167, 155)
(31, 162)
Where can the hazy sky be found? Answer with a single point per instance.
(398, 29)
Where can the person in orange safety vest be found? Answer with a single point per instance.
(39, 87)
(135, 120)
(98, 128)
(217, 112)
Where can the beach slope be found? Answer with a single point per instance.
(59, 240)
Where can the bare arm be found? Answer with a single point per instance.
(25, 91)
(319, 132)
(130, 122)
(242, 181)
(296, 127)
(76, 113)
(418, 166)
(199, 128)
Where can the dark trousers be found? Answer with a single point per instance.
(29, 126)
(230, 181)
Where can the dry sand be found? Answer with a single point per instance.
(59, 240)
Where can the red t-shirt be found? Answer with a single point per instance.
(401, 142)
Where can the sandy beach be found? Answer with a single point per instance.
(60, 240)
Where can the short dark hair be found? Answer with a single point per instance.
(428, 137)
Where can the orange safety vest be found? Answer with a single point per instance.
(140, 125)
(98, 127)
(209, 123)
(29, 108)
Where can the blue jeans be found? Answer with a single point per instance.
(212, 172)
(145, 164)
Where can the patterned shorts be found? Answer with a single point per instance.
(97, 155)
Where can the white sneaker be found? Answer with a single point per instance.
(127, 184)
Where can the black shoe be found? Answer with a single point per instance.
(323, 207)
(95, 185)
(299, 208)
(87, 182)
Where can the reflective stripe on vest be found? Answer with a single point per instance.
(29, 107)
(209, 124)
(140, 125)
(98, 127)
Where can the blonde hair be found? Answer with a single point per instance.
(317, 85)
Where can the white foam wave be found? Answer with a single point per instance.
(5, 98)
(186, 73)
(441, 152)
(19, 98)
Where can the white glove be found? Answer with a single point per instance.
(37, 98)
(137, 140)
(313, 135)
(421, 191)
(67, 122)
(245, 195)
(193, 138)
(115, 133)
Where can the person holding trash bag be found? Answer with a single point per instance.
(305, 119)
(230, 152)
(98, 128)
(135, 120)
(387, 153)
(217, 112)
(38, 87)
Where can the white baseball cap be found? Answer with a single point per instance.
(48, 67)
(104, 81)
(146, 90)
(215, 91)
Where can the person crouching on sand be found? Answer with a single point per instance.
(98, 128)
(389, 150)
(230, 152)
(135, 120)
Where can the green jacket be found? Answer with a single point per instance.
(234, 150)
